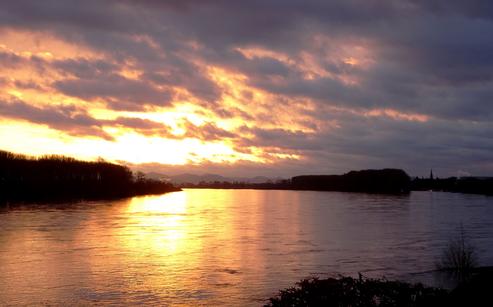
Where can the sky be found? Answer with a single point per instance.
(246, 88)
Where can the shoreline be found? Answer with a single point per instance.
(314, 190)
(80, 198)
(59, 178)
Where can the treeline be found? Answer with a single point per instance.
(471, 185)
(59, 178)
(368, 181)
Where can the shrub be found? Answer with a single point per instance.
(459, 257)
(362, 292)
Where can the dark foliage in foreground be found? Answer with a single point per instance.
(347, 291)
(61, 178)
(351, 292)
(477, 291)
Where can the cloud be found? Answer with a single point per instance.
(67, 118)
(84, 68)
(77, 122)
(340, 83)
(204, 132)
(116, 90)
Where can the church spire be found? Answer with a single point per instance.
(431, 174)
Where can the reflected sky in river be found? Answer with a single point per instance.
(225, 246)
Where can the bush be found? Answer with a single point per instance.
(459, 257)
(362, 292)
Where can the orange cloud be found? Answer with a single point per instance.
(397, 115)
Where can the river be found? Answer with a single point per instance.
(226, 247)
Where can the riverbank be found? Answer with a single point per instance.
(348, 291)
(59, 178)
(383, 181)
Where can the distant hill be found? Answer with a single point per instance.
(191, 178)
(209, 178)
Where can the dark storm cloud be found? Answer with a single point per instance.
(471, 8)
(13, 61)
(10, 60)
(91, 14)
(67, 118)
(188, 77)
(116, 90)
(428, 57)
(136, 123)
(207, 131)
(281, 138)
(84, 68)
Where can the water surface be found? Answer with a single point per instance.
(229, 247)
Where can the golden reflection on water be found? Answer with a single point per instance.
(207, 240)
(209, 246)
(157, 224)
(159, 247)
(212, 247)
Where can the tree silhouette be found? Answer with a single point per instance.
(54, 177)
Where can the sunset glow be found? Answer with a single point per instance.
(156, 91)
